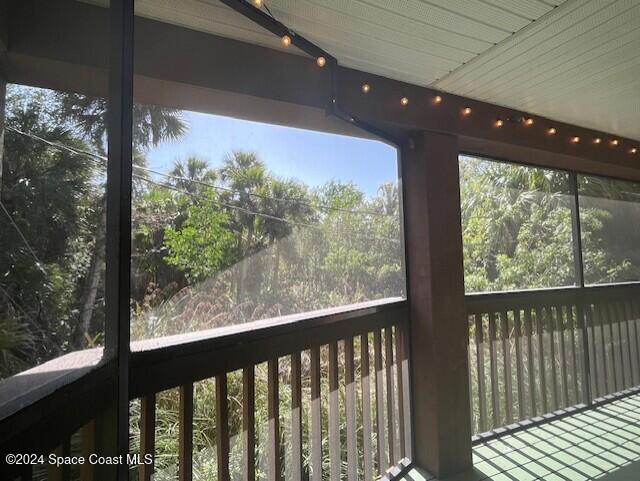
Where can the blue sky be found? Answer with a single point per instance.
(309, 156)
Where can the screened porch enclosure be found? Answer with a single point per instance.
(269, 240)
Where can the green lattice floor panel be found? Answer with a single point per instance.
(600, 444)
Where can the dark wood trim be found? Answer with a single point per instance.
(118, 233)
(509, 300)
(173, 364)
(515, 154)
(4, 26)
(3, 100)
(39, 427)
(43, 52)
(382, 106)
(439, 323)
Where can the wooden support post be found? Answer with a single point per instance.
(439, 326)
(3, 99)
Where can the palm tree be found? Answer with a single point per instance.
(288, 200)
(245, 175)
(191, 174)
(88, 117)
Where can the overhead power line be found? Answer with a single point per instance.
(39, 263)
(202, 183)
(102, 159)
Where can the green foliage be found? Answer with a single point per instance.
(517, 227)
(203, 243)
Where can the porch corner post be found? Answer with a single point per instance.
(439, 334)
(118, 239)
(3, 102)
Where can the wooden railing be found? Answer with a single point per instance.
(332, 388)
(333, 410)
(528, 351)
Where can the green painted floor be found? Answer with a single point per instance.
(602, 444)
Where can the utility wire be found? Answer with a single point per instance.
(39, 263)
(100, 158)
(247, 211)
(199, 182)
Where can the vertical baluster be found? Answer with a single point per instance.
(88, 446)
(621, 381)
(185, 455)
(350, 407)
(603, 344)
(633, 341)
(543, 382)
(273, 413)
(297, 473)
(401, 412)
(506, 357)
(624, 322)
(585, 332)
(334, 413)
(482, 390)
(592, 343)
(495, 404)
(634, 311)
(551, 324)
(519, 376)
(367, 450)
(54, 472)
(147, 435)
(406, 385)
(472, 398)
(222, 431)
(316, 417)
(389, 363)
(248, 424)
(606, 315)
(574, 358)
(377, 352)
(530, 362)
(66, 452)
(564, 380)
(63, 472)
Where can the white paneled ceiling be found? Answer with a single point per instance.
(576, 61)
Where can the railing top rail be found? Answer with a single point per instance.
(175, 360)
(506, 300)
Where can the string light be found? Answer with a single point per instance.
(633, 151)
(366, 88)
(615, 142)
(437, 99)
(575, 139)
(286, 40)
(404, 101)
(528, 121)
(466, 111)
(258, 3)
(499, 123)
(321, 61)
(552, 131)
(597, 140)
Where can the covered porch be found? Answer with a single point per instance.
(476, 316)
